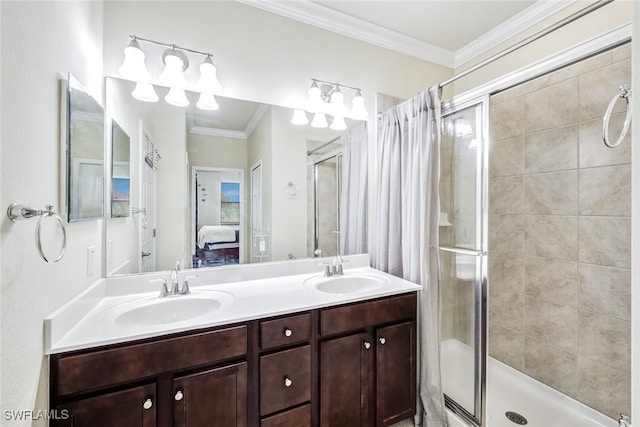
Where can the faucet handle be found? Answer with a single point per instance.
(164, 291)
(185, 285)
(326, 271)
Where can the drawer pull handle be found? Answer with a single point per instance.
(367, 345)
(382, 340)
(147, 404)
(288, 332)
(179, 395)
(287, 382)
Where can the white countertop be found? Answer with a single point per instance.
(90, 319)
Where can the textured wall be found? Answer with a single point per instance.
(559, 238)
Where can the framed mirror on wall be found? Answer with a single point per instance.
(83, 160)
(199, 172)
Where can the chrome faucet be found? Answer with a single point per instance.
(333, 269)
(175, 286)
(175, 283)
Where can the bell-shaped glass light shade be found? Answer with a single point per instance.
(145, 92)
(208, 82)
(314, 103)
(207, 102)
(133, 67)
(358, 112)
(338, 123)
(173, 74)
(299, 118)
(177, 97)
(319, 121)
(337, 103)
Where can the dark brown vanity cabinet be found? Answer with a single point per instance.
(349, 365)
(185, 380)
(368, 377)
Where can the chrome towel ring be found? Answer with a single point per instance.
(16, 212)
(625, 93)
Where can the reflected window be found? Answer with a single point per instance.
(230, 203)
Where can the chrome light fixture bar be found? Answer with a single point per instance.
(176, 63)
(326, 103)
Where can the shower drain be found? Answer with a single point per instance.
(514, 417)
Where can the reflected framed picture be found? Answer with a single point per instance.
(120, 195)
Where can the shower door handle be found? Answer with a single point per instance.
(463, 251)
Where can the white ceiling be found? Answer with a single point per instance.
(446, 32)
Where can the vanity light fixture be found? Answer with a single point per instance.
(176, 63)
(327, 99)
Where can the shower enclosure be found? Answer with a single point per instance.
(535, 249)
(463, 257)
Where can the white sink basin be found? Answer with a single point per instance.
(172, 309)
(347, 284)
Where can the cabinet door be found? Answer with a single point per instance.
(345, 365)
(135, 407)
(216, 397)
(395, 373)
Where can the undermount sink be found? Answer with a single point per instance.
(347, 284)
(172, 309)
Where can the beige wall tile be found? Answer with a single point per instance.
(605, 191)
(605, 389)
(552, 323)
(506, 273)
(507, 346)
(551, 193)
(605, 339)
(507, 310)
(592, 150)
(506, 233)
(553, 106)
(590, 64)
(551, 150)
(506, 119)
(506, 195)
(552, 280)
(551, 365)
(605, 241)
(605, 290)
(526, 88)
(551, 236)
(597, 88)
(506, 156)
(621, 53)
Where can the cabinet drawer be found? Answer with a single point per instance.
(97, 369)
(285, 379)
(358, 316)
(298, 417)
(288, 330)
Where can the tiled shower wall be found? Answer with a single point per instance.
(559, 233)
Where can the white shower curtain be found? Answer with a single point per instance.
(405, 240)
(353, 199)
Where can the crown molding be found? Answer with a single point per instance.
(341, 23)
(255, 119)
(524, 20)
(224, 133)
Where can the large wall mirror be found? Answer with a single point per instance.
(240, 184)
(84, 154)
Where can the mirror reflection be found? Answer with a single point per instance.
(234, 185)
(85, 154)
(120, 176)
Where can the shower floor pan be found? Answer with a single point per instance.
(509, 390)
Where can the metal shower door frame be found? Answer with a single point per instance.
(481, 251)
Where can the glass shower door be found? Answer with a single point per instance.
(463, 234)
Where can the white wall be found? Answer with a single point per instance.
(40, 43)
(602, 20)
